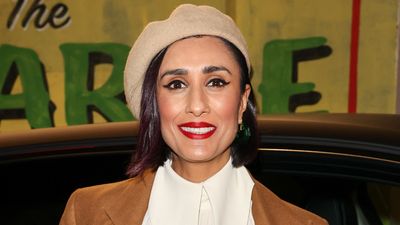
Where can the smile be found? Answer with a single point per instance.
(197, 130)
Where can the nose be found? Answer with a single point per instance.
(197, 103)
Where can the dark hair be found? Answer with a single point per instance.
(151, 150)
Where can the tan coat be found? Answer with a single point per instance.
(125, 203)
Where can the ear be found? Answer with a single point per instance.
(243, 102)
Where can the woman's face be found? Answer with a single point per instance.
(199, 99)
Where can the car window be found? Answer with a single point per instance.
(386, 200)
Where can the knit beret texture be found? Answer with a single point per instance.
(185, 21)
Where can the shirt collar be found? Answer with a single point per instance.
(174, 200)
(230, 194)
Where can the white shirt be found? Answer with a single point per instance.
(223, 199)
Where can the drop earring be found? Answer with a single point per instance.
(243, 134)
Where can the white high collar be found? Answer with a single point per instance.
(175, 201)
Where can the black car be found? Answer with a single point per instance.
(344, 167)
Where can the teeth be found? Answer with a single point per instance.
(198, 130)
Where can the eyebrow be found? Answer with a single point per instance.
(178, 71)
(207, 69)
(211, 69)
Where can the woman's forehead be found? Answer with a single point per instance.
(207, 50)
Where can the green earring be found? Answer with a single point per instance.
(243, 134)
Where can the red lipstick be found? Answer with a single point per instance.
(197, 130)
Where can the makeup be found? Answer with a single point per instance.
(197, 130)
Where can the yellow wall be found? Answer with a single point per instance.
(261, 21)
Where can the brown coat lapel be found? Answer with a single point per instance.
(126, 202)
(131, 204)
(269, 209)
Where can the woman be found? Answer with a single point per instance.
(187, 80)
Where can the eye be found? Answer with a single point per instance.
(216, 82)
(175, 84)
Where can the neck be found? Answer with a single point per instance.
(199, 171)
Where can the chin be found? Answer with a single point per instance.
(201, 155)
(197, 158)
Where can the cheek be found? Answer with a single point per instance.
(164, 107)
(169, 108)
(227, 107)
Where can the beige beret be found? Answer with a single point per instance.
(185, 21)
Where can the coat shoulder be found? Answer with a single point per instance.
(270, 209)
(96, 204)
(107, 192)
(103, 192)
